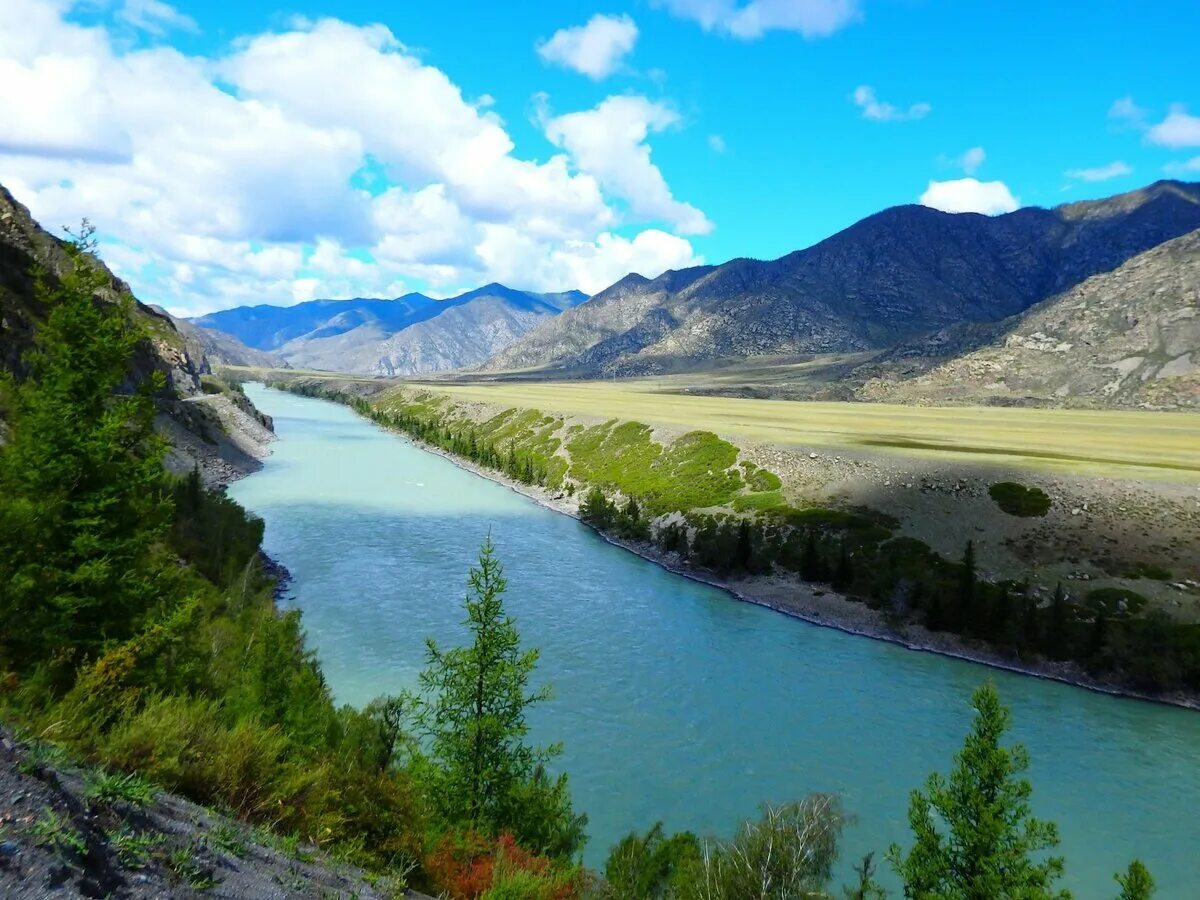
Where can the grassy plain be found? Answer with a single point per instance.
(1116, 443)
(1093, 442)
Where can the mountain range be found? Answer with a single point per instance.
(905, 272)
(409, 335)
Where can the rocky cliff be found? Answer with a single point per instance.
(221, 434)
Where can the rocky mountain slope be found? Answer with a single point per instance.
(220, 433)
(409, 335)
(58, 839)
(220, 349)
(1127, 337)
(901, 273)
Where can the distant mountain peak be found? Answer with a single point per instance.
(410, 334)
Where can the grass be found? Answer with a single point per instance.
(695, 471)
(53, 830)
(106, 788)
(134, 849)
(1098, 442)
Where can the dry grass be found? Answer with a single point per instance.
(1117, 443)
(1094, 442)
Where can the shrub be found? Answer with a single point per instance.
(1019, 500)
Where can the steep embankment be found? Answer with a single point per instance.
(219, 432)
(781, 525)
(901, 273)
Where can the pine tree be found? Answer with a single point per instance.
(844, 574)
(84, 502)
(975, 836)
(1136, 883)
(811, 568)
(596, 510)
(484, 774)
(966, 591)
(1057, 638)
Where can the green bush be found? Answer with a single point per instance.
(1019, 500)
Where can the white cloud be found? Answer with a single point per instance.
(1100, 173)
(1184, 167)
(716, 143)
(609, 143)
(1126, 112)
(969, 195)
(747, 21)
(155, 17)
(878, 111)
(1178, 129)
(595, 49)
(218, 181)
(590, 265)
(971, 160)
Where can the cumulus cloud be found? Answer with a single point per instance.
(1178, 129)
(1100, 173)
(877, 111)
(751, 20)
(969, 195)
(716, 143)
(608, 142)
(321, 160)
(595, 49)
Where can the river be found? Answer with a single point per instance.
(675, 701)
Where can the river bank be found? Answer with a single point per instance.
(819, 606)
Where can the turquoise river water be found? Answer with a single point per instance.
(674, 700)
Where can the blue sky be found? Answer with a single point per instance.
(236, 152)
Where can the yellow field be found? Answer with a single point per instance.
(1123, 443)
(1097, 442)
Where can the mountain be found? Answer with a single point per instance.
(903, 272)
(1126, 337)
(222, 434)
(410, 335)
(219, 348)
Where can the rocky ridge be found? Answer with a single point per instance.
(902, 273)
